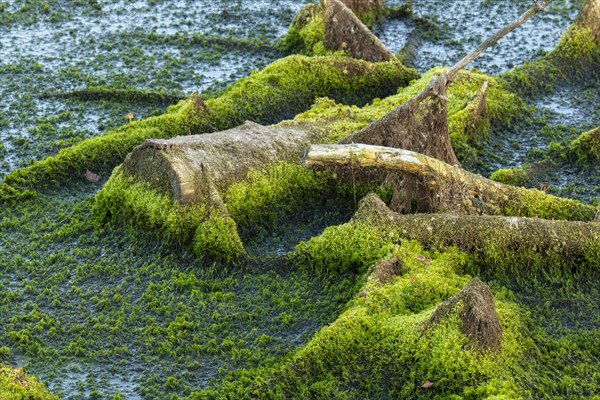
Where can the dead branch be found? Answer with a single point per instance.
(452, 189)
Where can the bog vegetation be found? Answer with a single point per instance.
(129, 269)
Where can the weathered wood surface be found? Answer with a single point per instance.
(344, 31)
(452, 189)
(573, 240)
(589, 17)
(186, 167)
(364, 6)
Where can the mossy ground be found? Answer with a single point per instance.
(95, 311)
(377, 349)
(281, 90)
(16, 385)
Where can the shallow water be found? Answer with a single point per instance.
(155, 45)
(464, 24)
(560, 117)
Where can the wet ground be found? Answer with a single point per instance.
(462, 25)
(97, 312)
(559, 118)
(94, 313)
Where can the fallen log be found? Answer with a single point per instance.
(177, 187)
(280, 91)
(421, 125)
(506, 243)
(186, 166)
(451, 188)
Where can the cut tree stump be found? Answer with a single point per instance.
(344, 31)
(589, 18)
(188, 167)
(476, 309)
(421, 125)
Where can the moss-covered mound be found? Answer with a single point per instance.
(508, 176)
(586, 148)
(577, 55)
(16, 385)
(306, 34)
(257, 201)
(380, 347)
(399, 340)
(281, 90)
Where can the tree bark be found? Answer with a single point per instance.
(364, 6)
(487, 235)
(589, 18)
(190, 168)
(452, 189)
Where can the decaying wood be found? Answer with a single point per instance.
(589, 18)
(476, 234)
(387, 269)
(344, 31)
(477, 109)
(364, 6)
(424, 117)
(186, 167)
(421, 125)
(452, 188)
(476, 309)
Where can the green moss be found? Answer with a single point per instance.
(133, 203)
(125, 199)
(377, 349)
(281, 90)
(514, 176)
(217, 237)
(576, 55)
(259, 200)
(345, 248)
(130, 95)
(535, 203)
(305, 34)
(503, 109)
(15, 385)
(307, 31)
(586, 148)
